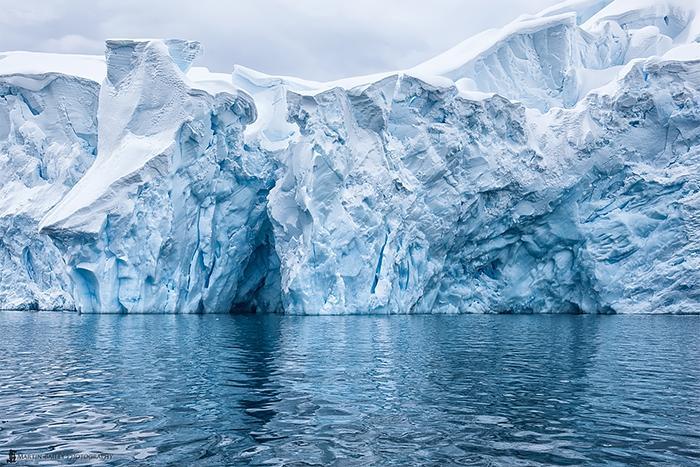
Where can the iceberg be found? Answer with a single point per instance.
(550, 166)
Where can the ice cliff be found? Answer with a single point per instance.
(171, 215)
(548, 166)
(48, 137)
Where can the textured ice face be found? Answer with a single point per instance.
(172, 214)
(48, 134)
(550, 166)
(406, 197)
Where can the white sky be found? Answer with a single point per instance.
(313, 39)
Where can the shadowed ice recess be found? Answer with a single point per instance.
(549, 166)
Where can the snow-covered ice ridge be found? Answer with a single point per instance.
(552, 165)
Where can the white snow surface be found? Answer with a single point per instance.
(547, 166)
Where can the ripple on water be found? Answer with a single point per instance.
(514, 390)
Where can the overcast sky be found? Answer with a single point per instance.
(313, 39)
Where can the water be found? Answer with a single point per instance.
(431, 390)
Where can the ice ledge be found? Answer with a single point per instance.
(123, 55)
(90, 67)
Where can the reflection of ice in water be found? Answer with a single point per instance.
(353, 389)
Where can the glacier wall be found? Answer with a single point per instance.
(48, 136)
(549, 166)
(171, 216)
(411, 197)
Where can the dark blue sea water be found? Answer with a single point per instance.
(402, 390)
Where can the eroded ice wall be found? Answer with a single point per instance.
(171, 217)
(48, 134)
(404, 196)
(549, 166)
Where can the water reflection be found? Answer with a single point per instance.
(362, 390)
